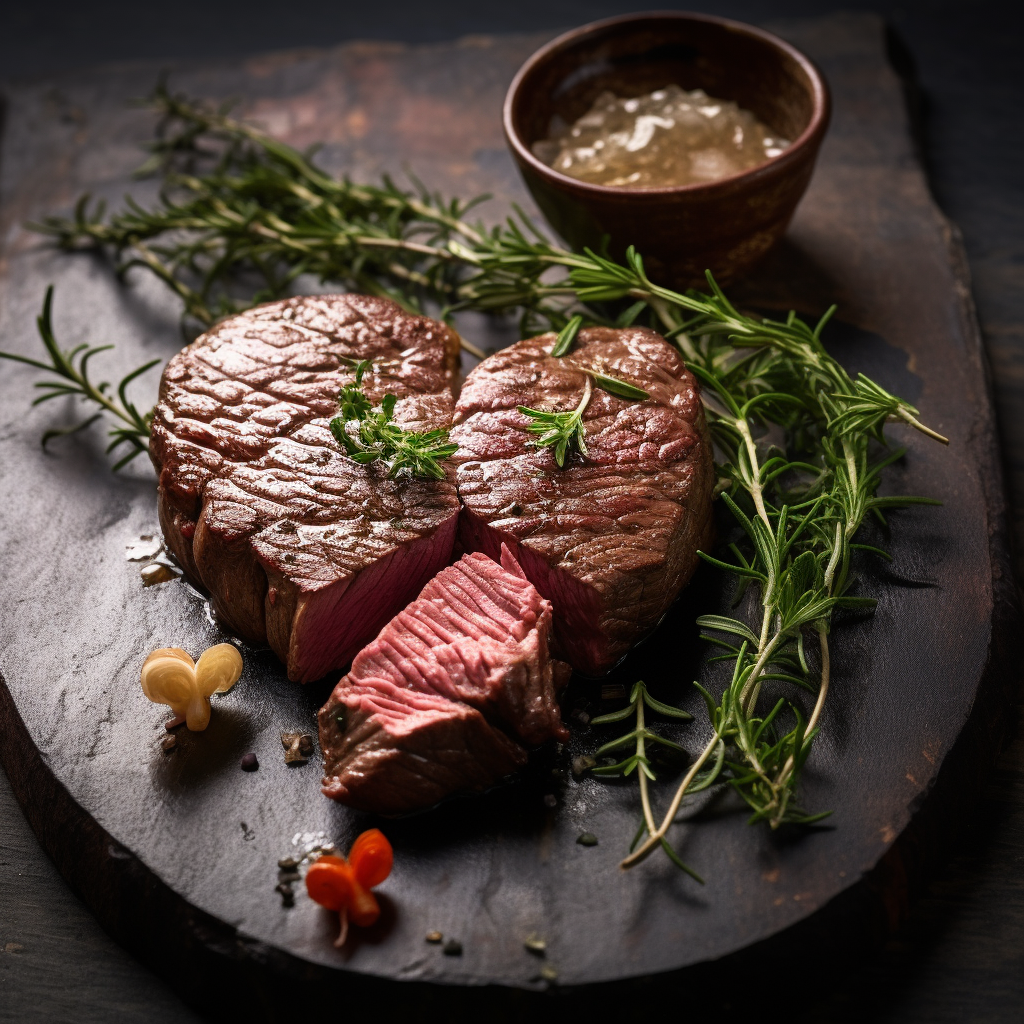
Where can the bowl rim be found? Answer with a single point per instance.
(820, 112)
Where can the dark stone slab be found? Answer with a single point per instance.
(191, 843)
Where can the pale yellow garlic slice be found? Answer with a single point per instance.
(218, 669)
(169, 676)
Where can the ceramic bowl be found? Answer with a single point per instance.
(725, 226)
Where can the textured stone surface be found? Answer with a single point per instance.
(867, 236)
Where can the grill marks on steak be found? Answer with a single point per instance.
(611, 540)
(427, 708)
(299, 546)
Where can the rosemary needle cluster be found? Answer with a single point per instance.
(565, 431)
(241, 216)
(376, 435)
(68, 376)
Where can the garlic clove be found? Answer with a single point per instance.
(168, 677)
(218, 669)
(197, 715)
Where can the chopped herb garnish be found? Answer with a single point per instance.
(562, 430)
(369, 435)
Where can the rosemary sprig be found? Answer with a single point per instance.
(238, 206)
(640, 736)
(377, 437)
(68, 374)
(563, 431)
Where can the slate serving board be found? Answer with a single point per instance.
(177, 854)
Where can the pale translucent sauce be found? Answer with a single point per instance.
(669, 137)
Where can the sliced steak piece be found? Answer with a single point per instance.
(299, 546)
(609, 540)
(425, 709)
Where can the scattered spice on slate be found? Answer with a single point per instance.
(549, 973)
(535, 944)
(551, 800)
(155, 574)
(250, 763)
(289, 876)
(169, 743)
(287, 863)
(587, 839)
(287, 894)
(582, 763)
(435, 937)
(453, 948)
(297, 747)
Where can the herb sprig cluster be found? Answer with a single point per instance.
(239, 207)
(67, 374)
(565, 431)
(368, 435)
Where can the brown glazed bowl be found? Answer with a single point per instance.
(725, 226)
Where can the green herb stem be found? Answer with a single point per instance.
(563, 431)
(69, 377)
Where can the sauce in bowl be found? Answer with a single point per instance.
(665, 138)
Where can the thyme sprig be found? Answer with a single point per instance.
(241, 214)
(68, 375)
(376, 437)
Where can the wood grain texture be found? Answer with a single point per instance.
(823, 252)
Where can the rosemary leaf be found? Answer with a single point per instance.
(567, 336)
(615, 386)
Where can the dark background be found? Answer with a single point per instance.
(960, 956)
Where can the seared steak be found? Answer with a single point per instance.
(609, 540)
(425, 710)
(299, 546)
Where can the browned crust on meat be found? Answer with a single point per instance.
(257, 502)
(614, 536)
